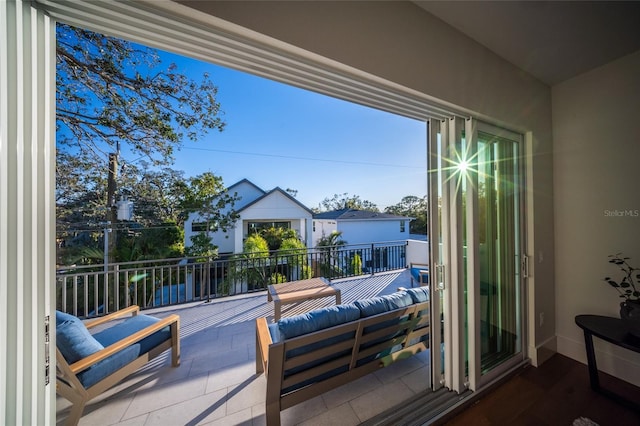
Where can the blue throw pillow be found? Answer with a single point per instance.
(73, 339)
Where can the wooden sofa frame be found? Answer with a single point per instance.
(69, 386)
(366, 352)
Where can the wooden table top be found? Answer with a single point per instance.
(293, 286)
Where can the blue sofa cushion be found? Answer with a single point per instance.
(317, 319)
(274, 332)
(371, 306)
(378, 305)
(397, 300)
(419, 294)
(73, 339)
(118, 360)
(309, 322)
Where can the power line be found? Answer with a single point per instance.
(118, 228)
(292, 157)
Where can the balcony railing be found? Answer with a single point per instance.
(93, 290)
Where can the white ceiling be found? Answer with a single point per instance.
(552, 40)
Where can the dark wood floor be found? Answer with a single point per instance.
(556, 393)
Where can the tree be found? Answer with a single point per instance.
(207, 196)
(111, 92)
(334, 239)
(275, 236)
(412, 206)
(345, 201)
(329, 247)
(296, 253)
(253, 264)
(116, 102)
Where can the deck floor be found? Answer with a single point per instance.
(216, 382)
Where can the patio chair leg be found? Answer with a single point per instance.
(76, 412)
(175, 344)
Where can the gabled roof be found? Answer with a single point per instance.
(240, 182)
(273, 191)
(354, 214)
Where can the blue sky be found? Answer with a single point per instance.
(279, 135)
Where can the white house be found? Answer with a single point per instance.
(361, 226)
(257, 209)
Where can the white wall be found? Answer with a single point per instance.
(246, 192)
(372, 231)
(597, 171)
(417, 252)
(277, 207)
(402, 43)
(323, 227)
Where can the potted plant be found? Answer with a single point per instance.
(627, 286)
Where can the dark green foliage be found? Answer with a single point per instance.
(412, 206)
(345, 201)
(627, 285)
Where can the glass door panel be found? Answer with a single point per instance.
(475, 234)
(438, 247)
(499, 246)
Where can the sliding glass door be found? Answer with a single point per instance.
(476, 219)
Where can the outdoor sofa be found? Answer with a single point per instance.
(308, 354)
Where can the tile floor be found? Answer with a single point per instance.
(216, 382)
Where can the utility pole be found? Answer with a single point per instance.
(111, 202)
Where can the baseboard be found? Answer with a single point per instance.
(610, 359)
(542, 352)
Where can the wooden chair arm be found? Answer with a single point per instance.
(133, 309)
(264, 337)
(116, 347)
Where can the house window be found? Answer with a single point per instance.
(201, 226)
(314, 226)
(259, 226)
(402, 226)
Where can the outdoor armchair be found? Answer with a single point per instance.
(89, 364)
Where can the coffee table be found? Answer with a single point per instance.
(299, 291)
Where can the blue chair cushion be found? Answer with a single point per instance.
(107, 366)
(415, 273)
(118, 360)
(130, 326)
(73, 339)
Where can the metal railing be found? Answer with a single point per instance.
(93, 290)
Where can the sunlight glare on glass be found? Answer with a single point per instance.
(463, 166)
